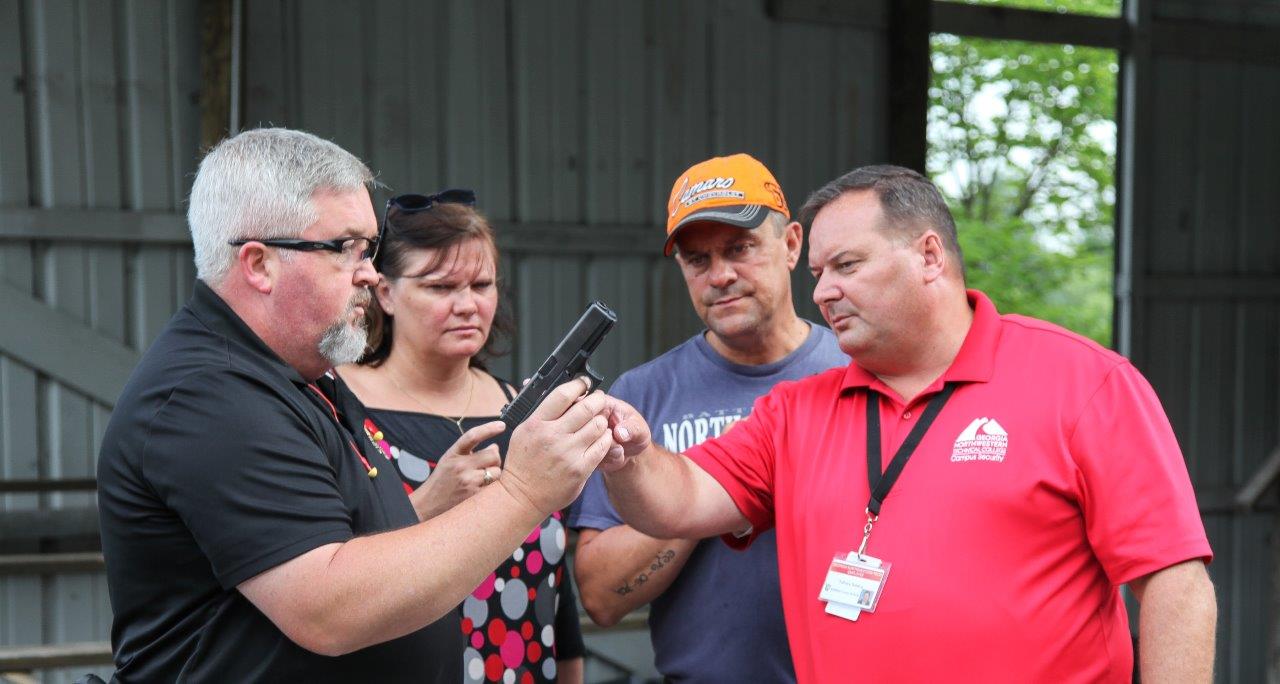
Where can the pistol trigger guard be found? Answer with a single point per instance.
(593, 378)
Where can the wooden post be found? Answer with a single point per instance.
(1273, 639)
(909, 69)
(215, 70)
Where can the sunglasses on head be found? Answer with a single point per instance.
(413, 203)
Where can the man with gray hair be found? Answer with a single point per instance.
(965, 499)
(248, 536)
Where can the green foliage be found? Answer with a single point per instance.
(1021, 276)
(1022, 143)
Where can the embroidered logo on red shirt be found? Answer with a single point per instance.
(983, 440)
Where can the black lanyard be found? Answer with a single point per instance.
(880, 486)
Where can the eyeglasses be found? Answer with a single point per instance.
(352, 249)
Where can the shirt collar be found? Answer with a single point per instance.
(975, 361)
(210, 309)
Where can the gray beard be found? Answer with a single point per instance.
(343, 343)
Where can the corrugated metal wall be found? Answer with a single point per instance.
(1258, 12)
(571, 119)
(96, 112)
(566, 114)
(1207, 328)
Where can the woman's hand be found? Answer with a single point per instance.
(460, 472)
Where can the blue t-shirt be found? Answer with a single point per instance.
(721, 619)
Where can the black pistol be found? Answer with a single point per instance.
(568, 361)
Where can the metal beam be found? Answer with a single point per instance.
(1133, 161)
(1008, 23)
(1211, 287)
(51, 563)
(869, 14)
(86, 484)
(1266, 474)
(105, 225)
(216, 63)
(569, 238)
(1222, 501)
(93, 225)
(62, 347)
(908, 78)
(1204, 40)
(21, 526)
(22, 658)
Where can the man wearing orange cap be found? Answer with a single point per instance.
(716, 614)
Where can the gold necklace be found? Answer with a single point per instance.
(471, 392)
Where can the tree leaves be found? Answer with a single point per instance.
(1022, 143)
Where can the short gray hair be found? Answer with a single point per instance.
(259, 184)
(779, 221)
(910, 202)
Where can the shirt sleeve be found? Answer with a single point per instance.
(246, 474)
(1139, 506)
(593, 510)
(742, 460)
(568, 627)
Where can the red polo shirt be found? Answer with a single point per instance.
(1050, 478)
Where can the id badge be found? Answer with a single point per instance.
(850, 613)
(854, 583)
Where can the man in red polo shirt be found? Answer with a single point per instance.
(964, 500)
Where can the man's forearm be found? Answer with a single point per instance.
(621, 569)
(1177, 623)
(667, 496)
(341, 597)
(376, 588)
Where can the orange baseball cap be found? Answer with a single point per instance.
(736, 190)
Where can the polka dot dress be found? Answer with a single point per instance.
(510, 621)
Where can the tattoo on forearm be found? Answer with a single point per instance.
(660, 560)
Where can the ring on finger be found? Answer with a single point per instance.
(488, 478)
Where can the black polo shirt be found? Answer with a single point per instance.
(220, 463)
